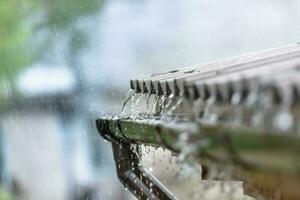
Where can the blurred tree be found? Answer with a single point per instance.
(62, 13)
(13, 37)
(21, 19)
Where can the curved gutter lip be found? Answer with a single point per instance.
(131, 174)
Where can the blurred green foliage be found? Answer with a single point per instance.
(21, 19)
(13, 38)
(4, 195)
(62, 13)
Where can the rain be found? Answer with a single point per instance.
(66, 63)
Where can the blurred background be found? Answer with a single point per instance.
(65, 62)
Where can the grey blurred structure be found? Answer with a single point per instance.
(50, 148)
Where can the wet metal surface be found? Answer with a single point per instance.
(242, 112)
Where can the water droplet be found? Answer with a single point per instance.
(283, 121)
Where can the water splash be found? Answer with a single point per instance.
(155, 106)
(237, 108)
(209, 116)
(176, 107)
(284, 120)
(130, 95)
